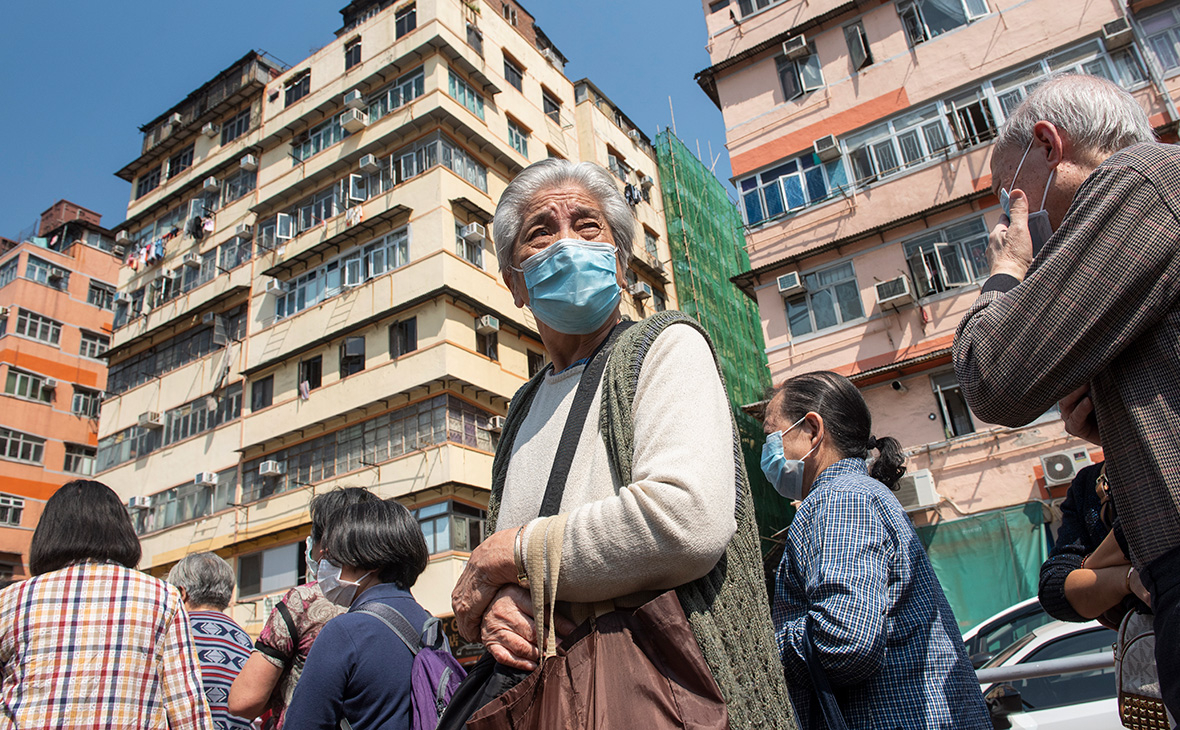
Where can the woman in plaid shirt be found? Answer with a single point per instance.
(90, 642)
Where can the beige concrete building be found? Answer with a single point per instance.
(312, 297)
(860, 137)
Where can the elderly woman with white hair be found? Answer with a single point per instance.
(654, 495)
(206, 584)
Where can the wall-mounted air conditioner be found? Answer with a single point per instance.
(790, 284)
(211, 184)
(244, 230)
(123, 297)
(354, 100)
(270, 469)
(122, 237)
(551, 56)
(205, 479)
(151, 419)
(354, 120)
(826, 148)
(894, 292)
(369, 163)
(635, 135)
(1062, 467)
(916, 491)
(139, 501)
(640, 290)
(170, 274)
(248, 163)
(175, 119)
(487, 324)
(496, 424)
(473, 232)
(209, 129)
(796, 47)
(56, 273)
(49, 384)
(276, 286)
(1117, 33)
(191, 260)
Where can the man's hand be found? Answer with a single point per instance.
(1009, 246)
(490, 566)
(1077, 411)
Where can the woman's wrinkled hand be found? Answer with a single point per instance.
(509, 630)
(490, 567)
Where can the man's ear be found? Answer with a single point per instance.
(1049, 139)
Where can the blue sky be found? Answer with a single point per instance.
(79, 77)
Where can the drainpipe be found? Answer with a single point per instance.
(1153, 72)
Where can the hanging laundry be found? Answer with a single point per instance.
(159, 249)
(53, 241)
(195, 228)
(133, 261)
(207, 225)
(304, 390)
(170, 234)
(353, 216)
(631, 193)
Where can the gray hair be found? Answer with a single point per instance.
(1096, 114)
(555, 172)
(206, 578)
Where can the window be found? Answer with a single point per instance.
(8, 271)
(273, 570)
(718, 5)
(909, 140)
(93, 345)
(466, 95)
(311, 372)
(651, 243)
(451, 526)
(925, 19)
(405, 20)
(407, 88)
(174, 353)
(832, 298)
(297, 89)
(513, 73)
(951, 257)
(189, 501)
(518, 137)
(27, 385)
(147, 182)
(509, 13)
(19, 446)
(971, 118)
(101, 296)
(475, 38)
(403, 337)
(750, 6)
(79, 459)
(352, 54)
(86, 402)
(658, 302)
(488, 345)
(471, 251)
(551, 106)
(1163, 36)
(319, 138)
(858, 45)
(352, 356)
(180, 162)
(126, 445)
(536, 362)
(235, 126)
(956, 416)
(262, 393)
(10, 510)
(790, 186)
(352, 269)
(799, 76)
(1043, 693)
(614, 161)
(38, 327)
(43, 272)
(203, 414)
(238, 185)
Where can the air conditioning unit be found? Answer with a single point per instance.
(646, 182)
(49, 384)
(57, 273)
(354, 100)
(635, 135)
(473, 232)
(170, 274)
(209, 129)
(208, 317)
(790, 284)
(551, 56)
(487, 324)
(211, 184)
(122, 237)
(139, 501)
(175, 119)
(496, 424)
(191, 260)
(916, 491)
(826, 148)
(123, 297)
(151, 419)
(369, 163)
(276, 286)
(1062, 467)
(205, 479)
(1117, 33)
(354, 120)
(640, 290)
(796, 47)
(248, 163)
(895, 292)
(270, 469)
(244, 230)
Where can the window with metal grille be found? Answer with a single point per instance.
(79, 459)
(832, 298)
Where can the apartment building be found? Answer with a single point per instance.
(57, 293)
(860, 138)
(312, 298)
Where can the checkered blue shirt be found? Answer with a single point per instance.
(880, 624)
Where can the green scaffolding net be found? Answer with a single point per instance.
(708, 247)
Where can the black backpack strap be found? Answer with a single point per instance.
(396, 622)
(575, 422)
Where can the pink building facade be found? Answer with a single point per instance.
(860, 138)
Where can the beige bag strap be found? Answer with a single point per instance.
(543, 563)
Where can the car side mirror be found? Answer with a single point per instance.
(1003, 700)
(981, 658)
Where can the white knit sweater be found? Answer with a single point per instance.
(673, 522)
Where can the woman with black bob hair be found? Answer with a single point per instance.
(856, 604)
(358, 669)
(89, 641)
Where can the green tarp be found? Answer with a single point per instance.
(987, 562)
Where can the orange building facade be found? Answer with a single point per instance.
(57, 296)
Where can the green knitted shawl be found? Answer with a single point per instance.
(727, 608)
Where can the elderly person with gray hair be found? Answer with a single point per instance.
(206, 584)
(1083, 307)
(654, 495)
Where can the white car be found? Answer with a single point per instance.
(996, 633)
(1078, 701)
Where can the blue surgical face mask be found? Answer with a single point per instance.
(1039, 228)
(785, 475)
(572, 285)
(338, 591)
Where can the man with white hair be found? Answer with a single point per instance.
(1092, 318)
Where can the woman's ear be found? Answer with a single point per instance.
(514, 280)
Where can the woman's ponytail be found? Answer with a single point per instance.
(889, 466)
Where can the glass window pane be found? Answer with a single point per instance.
(753, 207)
(911, 147)
(823, 307)
(942, 15)
(799, 317)
(793, 186)
(886, 156)
(817, 189)
(837, 174)
(774, 199)
(849, 297)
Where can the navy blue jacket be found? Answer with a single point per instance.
(358, 670)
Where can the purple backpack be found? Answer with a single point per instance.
(436, 674)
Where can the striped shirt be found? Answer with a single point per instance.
(854, 569)
(222, 649)
(97, 645)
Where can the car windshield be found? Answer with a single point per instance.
(1014, 647)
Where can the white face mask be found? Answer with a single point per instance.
(338, 591)
(1039, 228)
